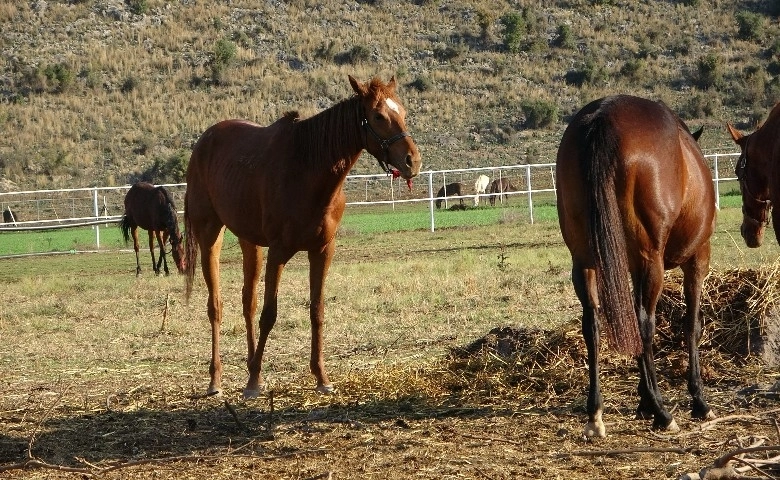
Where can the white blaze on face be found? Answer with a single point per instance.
(392, 105)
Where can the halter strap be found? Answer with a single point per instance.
(741, 171)
(384, 144)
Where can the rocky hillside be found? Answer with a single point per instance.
(103, 92)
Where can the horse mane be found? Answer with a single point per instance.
(171, 222)
(333, 135)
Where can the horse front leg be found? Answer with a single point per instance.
(155, 265)
(277, 259)
(162, 260)
(319, 262)
(694, 272)
(584, 281)
(253, 262)
(648, 284)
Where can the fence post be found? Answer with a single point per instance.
(717, 183)
(530, 195)
(430, 199)
(97, 217)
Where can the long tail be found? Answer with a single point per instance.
(190, 249)
(125, 226)
(607, 240)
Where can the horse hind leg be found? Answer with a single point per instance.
(694, 272)
(585, 286)
(136, 247)
(253, 262)
(648, 284)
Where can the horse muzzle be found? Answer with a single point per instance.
(752, 232)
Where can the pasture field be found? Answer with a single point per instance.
(104, 373)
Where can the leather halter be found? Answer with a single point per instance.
(764, 205)
(384, 144)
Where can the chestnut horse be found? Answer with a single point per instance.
(280, 187)
(498, 188)
(758, 171)
(152, 209)
(635, 197)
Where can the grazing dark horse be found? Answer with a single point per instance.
(280, 186)
(152, 209)
(498, 188)
(758, 171)
(635, 197)
(9, 216)
(449, 190)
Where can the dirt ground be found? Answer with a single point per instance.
(480, 413)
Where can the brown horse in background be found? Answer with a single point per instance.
(758, 171)
(449, 190)
(498, 189)
(280, 186)
(635, 197)
(152, 209)
(9, 216)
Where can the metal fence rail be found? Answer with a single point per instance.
(67, 208)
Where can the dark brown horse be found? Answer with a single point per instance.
(758, 171)
(449, 190)
(152, 209)
(498, 189)
(9, 216)
(635, 197)
(280, 186)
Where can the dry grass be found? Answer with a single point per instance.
(96, 382)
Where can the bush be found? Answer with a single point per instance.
(564, 37)
(590, 73)
(710, 71)
(129, 84)
(224, 51)
(751, 26)
(356, 54)
(170, 170)
(139, 7)
(60, 76)
(514, 28)
(421, 84)
(540, 113)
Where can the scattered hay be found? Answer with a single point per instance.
(738, 309)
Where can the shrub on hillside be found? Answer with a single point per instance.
(514, 29)
(164, 170)
(355, 55)
(710, 71)
(751, 26)
(564, 37)
(540, 113)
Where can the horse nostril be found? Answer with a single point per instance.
(409, 161)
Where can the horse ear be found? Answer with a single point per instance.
(391, 84)
(736, 135)
(359, 88)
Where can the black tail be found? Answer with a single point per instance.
(125, 226)
(607, 238)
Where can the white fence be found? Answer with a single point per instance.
(96, 206)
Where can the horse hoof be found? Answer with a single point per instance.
(252, 393)
(672, 427)
(593, 429)
(325, 389)
(213, 392)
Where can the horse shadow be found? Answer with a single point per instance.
(213, 425)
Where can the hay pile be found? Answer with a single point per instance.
(740, 331)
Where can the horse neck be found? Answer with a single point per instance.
(330, 142)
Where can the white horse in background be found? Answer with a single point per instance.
(480, 186)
